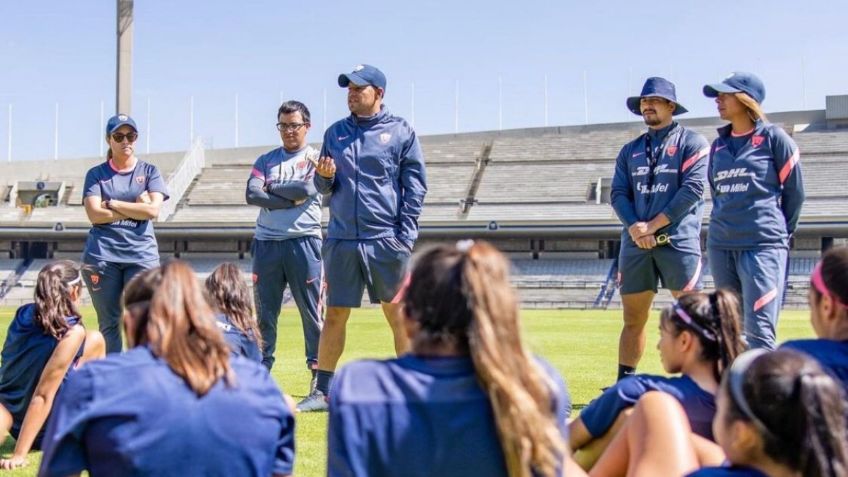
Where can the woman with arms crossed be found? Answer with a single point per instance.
(122, 197)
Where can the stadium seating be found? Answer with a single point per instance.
(534, 178)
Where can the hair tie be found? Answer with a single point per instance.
(464, 245)
(75, 280)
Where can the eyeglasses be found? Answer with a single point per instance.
(118, 137)
(290, 126)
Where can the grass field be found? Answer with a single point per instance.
(582, 345)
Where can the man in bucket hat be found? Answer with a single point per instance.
(657, 193)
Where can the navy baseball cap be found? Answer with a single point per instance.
(363, 75)
(119, 120)
(659, 88)
(738, 82)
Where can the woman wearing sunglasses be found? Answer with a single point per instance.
(122, 196)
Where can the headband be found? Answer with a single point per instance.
(688, 321)
(818, 282)
(736, 380)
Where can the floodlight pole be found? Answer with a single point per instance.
(123, 94)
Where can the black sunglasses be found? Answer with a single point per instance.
(118, 137)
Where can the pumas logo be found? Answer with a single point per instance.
(358, 68)
(385, 138)
(671, 150)
(95, 279)
(757, 140)
(255, 278)
(140, 180)
(123, 117)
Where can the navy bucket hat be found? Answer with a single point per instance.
(659, 88)
(739, 82)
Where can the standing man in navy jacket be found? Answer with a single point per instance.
(657, 193)
(372, 164)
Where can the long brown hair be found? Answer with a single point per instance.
(53, 302)
(465, 298)
(171, 316)
(228, 294)
(798, 409)
(716, 324)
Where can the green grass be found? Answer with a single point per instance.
(582, 345)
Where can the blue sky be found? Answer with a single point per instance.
(64, 52)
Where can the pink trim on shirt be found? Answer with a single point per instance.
(128, 169)
(790, 164)
(694, 158)
(736, 134)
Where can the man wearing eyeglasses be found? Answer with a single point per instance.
(657, 194)
(287, 242)
(372, 164)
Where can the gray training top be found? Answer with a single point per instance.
(287, 179)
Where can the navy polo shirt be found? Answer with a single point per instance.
(129, 414)
(416, 416)
(698, 404)
(128, 240)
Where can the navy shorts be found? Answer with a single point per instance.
(641, 270)
(351, 266)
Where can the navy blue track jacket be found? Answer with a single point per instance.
(673, 186)
(757, 189)
(380, 182)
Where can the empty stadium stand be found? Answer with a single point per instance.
(524, 189)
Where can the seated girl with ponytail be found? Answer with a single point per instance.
(468, 400)
(175, 403)
(45, 340)
(233, 305)
(828, 297)
(699, 338)
(779, 414)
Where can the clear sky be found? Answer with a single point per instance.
(63, 52)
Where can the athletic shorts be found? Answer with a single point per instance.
(641, 270)
(351, 266)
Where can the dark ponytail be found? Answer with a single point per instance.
(53, 301)
(798, 409)
(715, 319)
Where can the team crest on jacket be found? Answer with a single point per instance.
(671, 150)
(140, 179)
(385, 138)
(757, 140)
